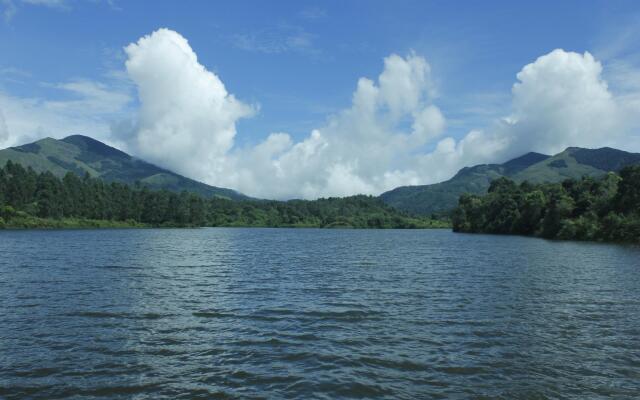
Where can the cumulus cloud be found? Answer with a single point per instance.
(562, 100)
(367, 148)
(187, 118)
(188, 122)
(393, 133)
(559, 100)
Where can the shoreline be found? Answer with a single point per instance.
(35, 223)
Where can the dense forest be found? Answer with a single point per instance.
(29, 199)
(601, 209)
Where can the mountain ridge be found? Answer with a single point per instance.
(84, 155)
(573, 162)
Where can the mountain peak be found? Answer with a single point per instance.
(92, 145)
(82, 154)
(80, 138)
(571, 149)
(524, 161)
(574, 162)
(605, 158)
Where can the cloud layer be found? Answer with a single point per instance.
(187, 122)
(561, 100)
(187, 118)
(83, 107)
(366, 148)
(393, 133)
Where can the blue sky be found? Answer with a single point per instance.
(297, 64)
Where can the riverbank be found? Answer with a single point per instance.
(605, 209)
(32, 200)
(30, 222)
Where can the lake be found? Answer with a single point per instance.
(309, 313)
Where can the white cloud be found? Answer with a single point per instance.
(91, 98)
(392, 133)
(188, 123)
(85, 107)
(559, 100)
(428, 124)
(48, 3)
(9, 9)
(313, 13)
(13, 74)
(4, 132)
(278, 39)
(186, 118)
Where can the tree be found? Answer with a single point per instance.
(49, 196)
(627, 199)
(559, 207)
(532, 212)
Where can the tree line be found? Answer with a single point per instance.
(600, 209)
(30, 199)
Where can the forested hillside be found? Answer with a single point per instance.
(573, 163)
(84, 155)
(30, 199)
(603, 209)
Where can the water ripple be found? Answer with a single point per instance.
(326, 314)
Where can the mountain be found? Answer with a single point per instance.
(574, 162)
(82, 154)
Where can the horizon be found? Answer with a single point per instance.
(349, 195)
(394, 101)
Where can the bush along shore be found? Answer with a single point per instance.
(42, 200)
(596, 209)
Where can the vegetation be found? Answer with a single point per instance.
(573, 163)
(82, 154)
(602, 209)
(29, 199)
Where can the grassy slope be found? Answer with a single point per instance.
(439, 197)
(81, 154)
(556, 169)
(38, 163)
(571, 163)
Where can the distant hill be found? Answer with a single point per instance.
(574, 162)
(82, 154)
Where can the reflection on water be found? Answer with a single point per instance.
(262, 313)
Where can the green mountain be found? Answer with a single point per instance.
(574, 162)
(82, 154)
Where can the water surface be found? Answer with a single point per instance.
(284, 313)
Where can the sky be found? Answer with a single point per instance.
(308, 99)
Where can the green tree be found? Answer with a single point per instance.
(532, 212)
(627, 199)
(559, 207)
